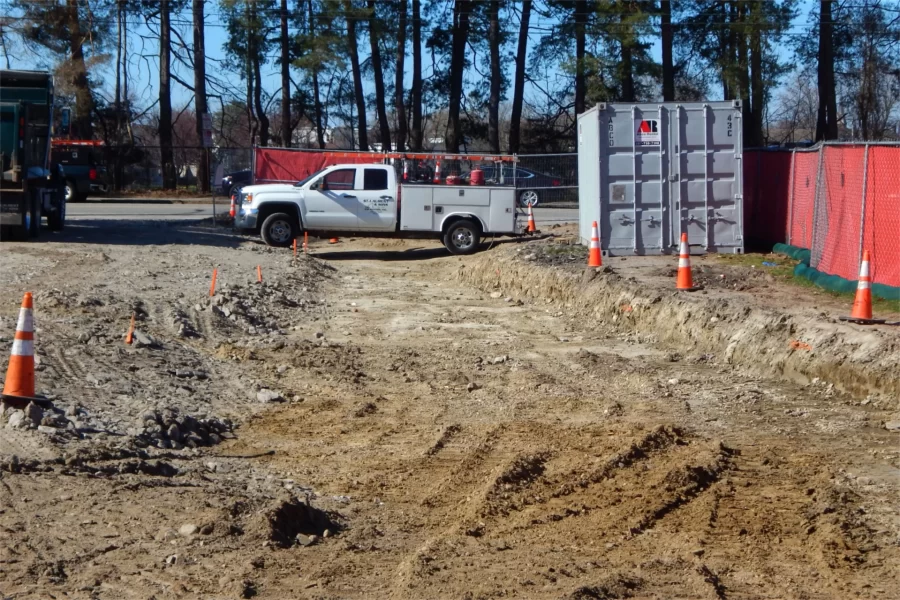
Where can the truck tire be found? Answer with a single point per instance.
(71, 191)
(462, 237)
(279, 229)
(57, 219)
(34, 229)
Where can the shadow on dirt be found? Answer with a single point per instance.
(144, 233)
(407, 254)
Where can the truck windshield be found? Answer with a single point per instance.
(308, 178)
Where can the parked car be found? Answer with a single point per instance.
(532, 185)
(236, 180)
(83, 168)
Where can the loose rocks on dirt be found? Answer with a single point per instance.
(170, 429)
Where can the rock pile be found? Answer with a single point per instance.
(34, 417)
(171, 429)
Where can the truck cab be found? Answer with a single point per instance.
(338, 198)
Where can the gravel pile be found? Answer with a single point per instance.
(170, 428)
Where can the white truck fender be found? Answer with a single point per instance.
(461, 214)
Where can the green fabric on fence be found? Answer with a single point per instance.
(833, 283)
(795, 252)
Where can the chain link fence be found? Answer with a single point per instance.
(845, 198)
(540, 179)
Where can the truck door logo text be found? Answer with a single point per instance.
(647, 133)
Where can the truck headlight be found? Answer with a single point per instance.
(248, 198)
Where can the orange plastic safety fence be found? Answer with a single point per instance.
(835, 248)
(803, 190)
(882, 223)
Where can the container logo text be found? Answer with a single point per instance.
(647, 133)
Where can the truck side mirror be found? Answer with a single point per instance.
(323, 184)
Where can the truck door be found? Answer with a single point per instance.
(377, 200)
(333, 202)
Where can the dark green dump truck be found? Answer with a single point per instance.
(29, 188)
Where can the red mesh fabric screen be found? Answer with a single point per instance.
(835, 247)
(767, 177)
(277, 164)
(882, 223)
(804, 186)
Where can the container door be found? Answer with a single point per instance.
(635, 219)
(706, 146)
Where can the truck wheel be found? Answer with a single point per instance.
(71, 191)
(463, 237)
(34, 229)
(279, 229)
(57, 219)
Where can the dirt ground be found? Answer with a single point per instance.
(383, 420)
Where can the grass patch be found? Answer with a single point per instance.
(784, 272)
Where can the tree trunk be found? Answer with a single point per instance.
(118, 171)
(257, 101)
(286, 128)
(84, 101)
(357, 76)
(826, 124)
(581, 17)
(757, 93)
(165, 99)
(743, 66)
(727, 41)
(461, 10)
(417, 136)
(200, 105)
(496, 76)
(399, 74)
(320, 132)
(627, 67)
(378, 73)
(515, 122)
(668, 67)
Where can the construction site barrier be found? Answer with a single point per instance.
(841, 199)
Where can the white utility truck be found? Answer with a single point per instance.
(365, 199)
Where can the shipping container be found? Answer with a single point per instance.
(648, 172)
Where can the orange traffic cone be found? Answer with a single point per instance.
(258, 274)
(233, 211)
(19, 382)
(594, 259)
(531, 226)
(685, 280)
(437, 171)
(129, 336)
(862, 304)
(212, 283)
(333, 240)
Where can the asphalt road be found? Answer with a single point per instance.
(163, 210)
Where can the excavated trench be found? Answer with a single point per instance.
(766, 341)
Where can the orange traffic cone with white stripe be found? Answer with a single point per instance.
(233, 211)
(685, 279)
(19, 383)
(437, 171)
(594, 258)
(531, 226)
(862, 304)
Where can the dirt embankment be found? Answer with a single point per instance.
(738, 327)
